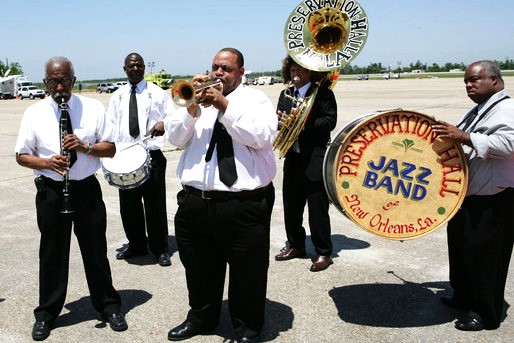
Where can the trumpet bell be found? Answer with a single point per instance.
(183, 93)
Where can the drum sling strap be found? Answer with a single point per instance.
(469, 119)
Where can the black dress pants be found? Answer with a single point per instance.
(480, 240)
(213, 233)
(297, 191)
(89, 225)
(143, 209)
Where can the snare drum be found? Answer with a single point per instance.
(390, 174)
(129, 168)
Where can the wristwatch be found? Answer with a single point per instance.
(89, 147)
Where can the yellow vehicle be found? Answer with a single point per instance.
(161, 79)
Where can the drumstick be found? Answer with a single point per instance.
(136, 143)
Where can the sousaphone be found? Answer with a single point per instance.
(321, 36)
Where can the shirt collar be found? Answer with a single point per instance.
(140, 86)
(70, 103)
(303, 90)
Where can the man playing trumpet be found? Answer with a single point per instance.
(224, 208)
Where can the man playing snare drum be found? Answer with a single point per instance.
(137, 110)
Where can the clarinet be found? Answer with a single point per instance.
(66, 204)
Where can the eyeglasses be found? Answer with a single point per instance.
(52, 83)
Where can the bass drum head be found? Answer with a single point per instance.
(391, 175)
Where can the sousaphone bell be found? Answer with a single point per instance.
(322, 37)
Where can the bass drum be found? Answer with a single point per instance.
(391, 175)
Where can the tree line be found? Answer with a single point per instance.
(373, 68)
(376, 68)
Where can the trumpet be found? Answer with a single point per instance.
(183, 93)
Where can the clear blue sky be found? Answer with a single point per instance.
(183, 36)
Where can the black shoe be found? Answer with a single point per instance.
(469, 324)
(117, 321)
(451, 302)
(186, 330)
(41, 330)
(164, 260)
(248, 340)
(129, 253)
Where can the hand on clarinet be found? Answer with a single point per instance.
(72, 142)
(59, 164)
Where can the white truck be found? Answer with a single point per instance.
(10, 85)
(265, 80)
(30, 92)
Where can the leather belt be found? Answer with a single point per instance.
(72, 183)
(223, 195)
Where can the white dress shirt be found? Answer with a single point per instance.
(251, 121)
(491, 160)
(39, 133)
(153, 104)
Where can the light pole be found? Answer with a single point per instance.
(151, 65)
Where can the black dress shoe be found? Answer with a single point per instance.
(41, 330)
(248, 340)
(289, 253)
(469, 324)
(186, 330)
(129, 253)
(164, 260)
(117, 321)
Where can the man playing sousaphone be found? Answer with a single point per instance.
(303, 181)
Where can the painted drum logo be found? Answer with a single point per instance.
(393, 176)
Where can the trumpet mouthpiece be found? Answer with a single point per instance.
(296, 79)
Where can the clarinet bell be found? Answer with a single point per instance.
(66, 204)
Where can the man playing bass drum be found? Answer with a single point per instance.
(303, 180)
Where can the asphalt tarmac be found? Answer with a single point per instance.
(377, 290)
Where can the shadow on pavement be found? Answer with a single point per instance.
(149, 258)
(394, 305)
(82, 310)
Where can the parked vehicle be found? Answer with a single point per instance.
(266, 80)
(363, 77)
(249, 81)
(121, 83)
(9, 85)
(106, 87)
(30, 92)
(161, 79)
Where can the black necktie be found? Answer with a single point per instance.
(133, 121)
(296, 94)
(225, 151)
(69, 130)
